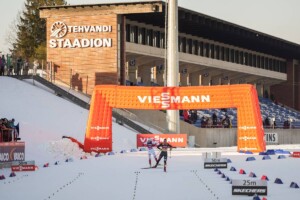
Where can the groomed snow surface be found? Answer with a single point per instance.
(44, 118)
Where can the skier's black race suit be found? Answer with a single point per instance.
(164, 152)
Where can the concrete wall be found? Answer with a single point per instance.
(214, 137)
(209, 137)
(286, 136)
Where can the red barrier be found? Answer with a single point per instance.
(296, 154)
(19, 168)
(176, 140)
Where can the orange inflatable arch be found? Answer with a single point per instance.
(250, 131)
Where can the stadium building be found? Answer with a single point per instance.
(124, 44)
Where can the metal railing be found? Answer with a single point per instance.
(67, 95)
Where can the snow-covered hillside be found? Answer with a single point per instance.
(44, 118)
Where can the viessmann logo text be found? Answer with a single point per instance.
(59, 30)
(165, 99)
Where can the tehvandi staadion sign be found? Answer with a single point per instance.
(60, 29)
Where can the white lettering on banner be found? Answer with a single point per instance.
(4, 157)
(99, 148)
(165, 99)
(100, 128)
(89, 29)
(19, 156)
(177, 99)
(214, 165)
(171, 139)
(60, 29)
(247, 127)
(23, 168)
(80, 43)
(143, 140)
(247, 138)
(161, 139)
(156, 138)
(255, 190)
(99, 138)
(185, 99)
(156, 99)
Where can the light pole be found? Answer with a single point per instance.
(172, 61)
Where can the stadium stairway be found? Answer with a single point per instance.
(67, 95)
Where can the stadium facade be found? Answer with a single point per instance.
(124, 44)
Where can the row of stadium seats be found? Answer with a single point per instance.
(284, 117)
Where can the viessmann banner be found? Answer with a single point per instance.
(176, 140)
(18, 166)
(98, 136)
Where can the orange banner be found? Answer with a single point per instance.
(98, 136)
(176, 140)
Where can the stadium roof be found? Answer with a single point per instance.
(201, 25)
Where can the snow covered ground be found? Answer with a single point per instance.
(44, 118)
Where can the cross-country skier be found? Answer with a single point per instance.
(164, 153)
(150, 144)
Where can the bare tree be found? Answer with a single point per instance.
(11, 34)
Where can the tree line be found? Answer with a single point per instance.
(27, 35)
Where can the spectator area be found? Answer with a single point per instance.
(269, 109)
(9, 132)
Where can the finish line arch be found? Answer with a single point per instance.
(250, 131)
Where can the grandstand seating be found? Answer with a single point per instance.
(268, 109)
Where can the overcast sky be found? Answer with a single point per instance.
(280, 18)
